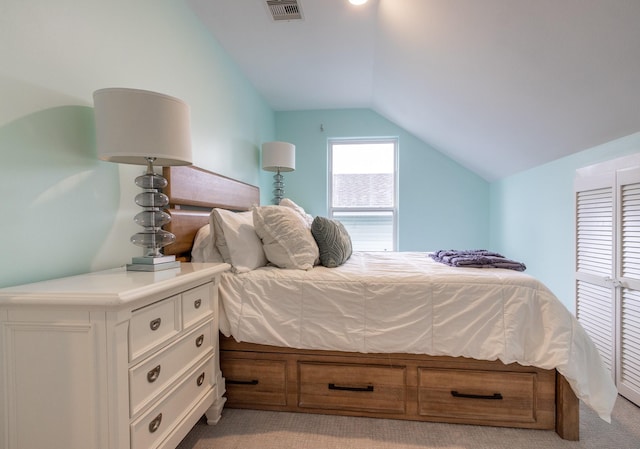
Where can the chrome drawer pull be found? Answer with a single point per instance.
(200, 379)
(241, 382)
(341, 388)
(197, 303)
(455, 394)
(155, 424)
(199, 341)
(153, 375)
(155, 324)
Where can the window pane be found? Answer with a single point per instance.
(363, 191)
(369, 231)
(374, 157)
(363, 175)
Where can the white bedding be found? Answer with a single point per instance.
(407, 303)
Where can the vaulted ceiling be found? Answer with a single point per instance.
(498, 85)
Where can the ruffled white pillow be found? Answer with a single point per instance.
(286, 237)
(286, 202)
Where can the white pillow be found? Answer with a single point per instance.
(237, 241)
(286, 202)
(204, 248)
(286, 238)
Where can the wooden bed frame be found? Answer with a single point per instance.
(399, 386)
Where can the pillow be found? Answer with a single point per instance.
(286, 202)
(221, 241)
(204, 248)
(286, 237)
(237, 241)
(333, 241)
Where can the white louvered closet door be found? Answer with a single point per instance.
(628, 276)
(608, 266)
(595, 294)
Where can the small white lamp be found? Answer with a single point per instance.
(278, 157)
(145, 128)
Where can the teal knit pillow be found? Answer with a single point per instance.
(333, 241)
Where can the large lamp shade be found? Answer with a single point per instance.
(133, 125)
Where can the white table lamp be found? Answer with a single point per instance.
(278, 157)
(145, 128)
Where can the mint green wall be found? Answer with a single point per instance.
(441, 205)
(65, 212)
(532, 215)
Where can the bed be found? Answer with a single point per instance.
(502, 352)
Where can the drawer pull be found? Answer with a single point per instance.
(455, 394)
(199, 340)
(153, 375)
(155, 324)
(242, 382)
(200, 379)
(155, 424)
(197, 303)
(342, 388)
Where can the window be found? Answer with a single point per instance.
(362, 184)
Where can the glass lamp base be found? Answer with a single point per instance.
(148, 263)
(278, 188)
(153, 238)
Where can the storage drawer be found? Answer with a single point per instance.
(372, 388)
(153, 325)
(478, 395)
(196, 304)
(155, 425)
(150, 377)
(254, 381)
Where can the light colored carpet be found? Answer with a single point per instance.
(249, 429)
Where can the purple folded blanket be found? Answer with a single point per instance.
(476, 258)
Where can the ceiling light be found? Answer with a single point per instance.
(357, 2)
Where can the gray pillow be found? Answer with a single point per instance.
(333, 241)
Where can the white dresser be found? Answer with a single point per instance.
(111, 359)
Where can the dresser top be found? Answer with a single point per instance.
(109, 287)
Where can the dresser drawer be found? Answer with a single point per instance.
(255, 381)
(372, 388)
(478, 395)
(150, 377)
(196, 304)
(155, 425)
(153, 325)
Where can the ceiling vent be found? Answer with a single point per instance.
(284, 10)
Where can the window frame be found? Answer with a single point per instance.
(393, 209)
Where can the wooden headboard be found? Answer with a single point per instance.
(192, 193)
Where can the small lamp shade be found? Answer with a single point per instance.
(278, 156)
(133, 125)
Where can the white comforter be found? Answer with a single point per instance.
(407, 303)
